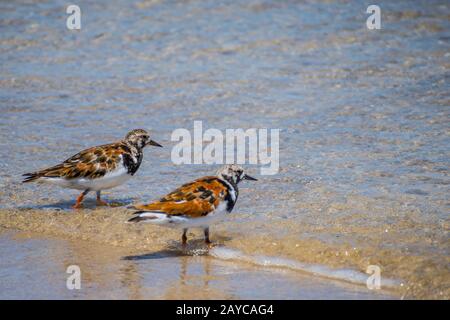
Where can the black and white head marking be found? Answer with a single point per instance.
(137, 138)
(135, 141)
(231, 175)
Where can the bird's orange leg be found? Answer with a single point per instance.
(100, 202)
(80, 198)
(207, 241)
(184, 237)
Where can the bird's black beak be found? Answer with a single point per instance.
(247, 177)
(153, 143)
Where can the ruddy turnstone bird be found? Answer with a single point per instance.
(195, 204)
(98, 168)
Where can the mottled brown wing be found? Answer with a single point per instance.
(91, 163)
(194, 199)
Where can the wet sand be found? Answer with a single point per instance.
(403, 276)
(34, 265)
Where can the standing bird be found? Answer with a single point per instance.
(98, 168)
(195, 204)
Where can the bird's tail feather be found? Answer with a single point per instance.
(150, 217)
(52, 172)
(30, 177)
(157, 217)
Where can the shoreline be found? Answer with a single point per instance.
(107, 226)
(110, 272)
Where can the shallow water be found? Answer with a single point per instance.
(111, 273)
(364, 115)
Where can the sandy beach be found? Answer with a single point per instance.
(310, 258)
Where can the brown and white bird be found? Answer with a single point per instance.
(98, 168)
(195, 204)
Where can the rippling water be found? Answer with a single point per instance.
(35, 268)
(364, 114)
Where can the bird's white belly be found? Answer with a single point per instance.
(216, 216)
(109, 180)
